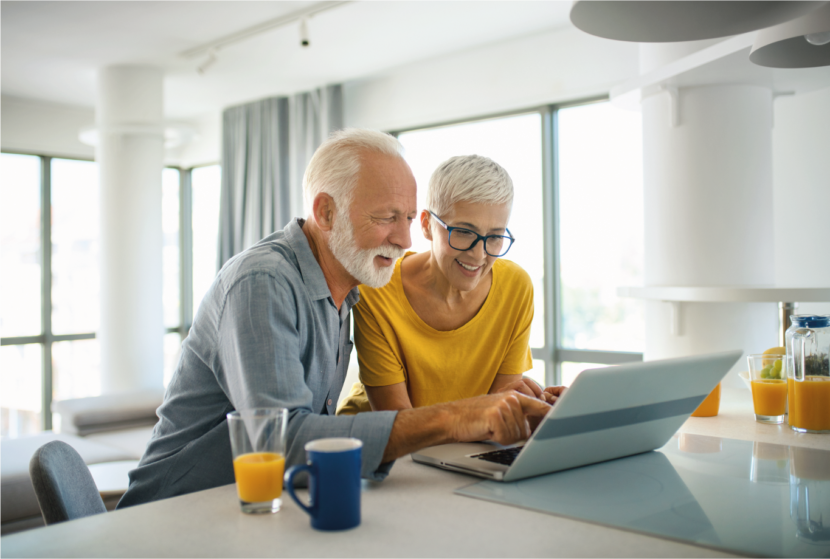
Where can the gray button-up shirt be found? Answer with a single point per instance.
(267, 334)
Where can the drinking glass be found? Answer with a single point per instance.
(258, 446)
(769, 387)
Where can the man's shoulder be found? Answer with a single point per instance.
(272, 256)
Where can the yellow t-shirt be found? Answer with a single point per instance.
(394, 345)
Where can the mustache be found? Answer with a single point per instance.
(389, 251)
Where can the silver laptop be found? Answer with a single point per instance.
(606, 413)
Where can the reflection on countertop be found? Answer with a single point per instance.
(760, 499)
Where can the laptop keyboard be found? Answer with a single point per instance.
(502, 456)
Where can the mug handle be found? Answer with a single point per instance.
(289, 485)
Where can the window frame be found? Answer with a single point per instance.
(552, 353)
(46, 339)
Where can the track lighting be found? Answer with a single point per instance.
(304, 42)
(210, 61)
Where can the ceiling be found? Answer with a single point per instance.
(51, 50)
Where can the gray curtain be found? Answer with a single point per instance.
(266, 146)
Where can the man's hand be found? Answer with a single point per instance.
(501, 417)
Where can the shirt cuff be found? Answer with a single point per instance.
(373, 429)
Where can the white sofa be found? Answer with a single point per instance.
(109, 432)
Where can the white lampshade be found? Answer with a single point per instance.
(655, 21)
(785, 45)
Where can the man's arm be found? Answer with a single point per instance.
(501, 417)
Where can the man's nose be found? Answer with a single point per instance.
(402, 234)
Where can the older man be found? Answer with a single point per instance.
(273, 331)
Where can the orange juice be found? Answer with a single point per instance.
(259, 476)
(810, 404)
(709, 407)
(791, 400)
(769, 396)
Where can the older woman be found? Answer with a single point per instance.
(453, 322)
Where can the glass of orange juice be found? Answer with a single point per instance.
(769, 387)
(258, 446)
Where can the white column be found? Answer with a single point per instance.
(708, 215)
(130, 156)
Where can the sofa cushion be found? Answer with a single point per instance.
(17, 496)
(132, 441)
(111, 412)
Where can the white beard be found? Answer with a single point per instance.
(360, 263)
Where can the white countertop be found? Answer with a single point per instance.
(413, 513)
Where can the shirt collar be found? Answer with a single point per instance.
(313, 277)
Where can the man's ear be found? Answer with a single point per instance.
(323, 211)
(425, 228)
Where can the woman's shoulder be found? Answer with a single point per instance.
(511, 275)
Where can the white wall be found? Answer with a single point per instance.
(43, 128)
(549, 67)
(204, 148)
(801, 193)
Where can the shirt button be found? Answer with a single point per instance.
(329, 401)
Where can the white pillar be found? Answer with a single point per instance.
(708, 215)
(130, 156)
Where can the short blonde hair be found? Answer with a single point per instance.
(334, 167)
(468, 178)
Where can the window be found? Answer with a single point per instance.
(577, 217)
(206, 183)
(601, 227)
(50, 288)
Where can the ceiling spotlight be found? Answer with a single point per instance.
(304, 42)
(801, 43)
(210, 61)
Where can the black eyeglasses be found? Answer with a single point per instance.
(464, 239)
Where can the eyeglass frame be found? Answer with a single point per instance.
(479, 237)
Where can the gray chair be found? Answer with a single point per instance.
(63, 485)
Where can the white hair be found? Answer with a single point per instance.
(334, 167)
(468, 178)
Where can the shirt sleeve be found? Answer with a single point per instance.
(518, 357)
(379, 365)
(258, 358)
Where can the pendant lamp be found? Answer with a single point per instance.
(655, 21)
(801, 43)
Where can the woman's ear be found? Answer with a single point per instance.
(425, 225)
(323, 211)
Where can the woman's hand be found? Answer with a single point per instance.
(552, 393)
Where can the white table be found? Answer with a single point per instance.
(413, 513)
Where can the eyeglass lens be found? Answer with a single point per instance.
(494, 245)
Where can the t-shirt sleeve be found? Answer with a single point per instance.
(379, 365)
(518, 357)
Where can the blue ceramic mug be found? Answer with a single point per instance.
(333, 483)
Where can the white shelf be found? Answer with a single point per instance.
(728, 294)
(726, 62)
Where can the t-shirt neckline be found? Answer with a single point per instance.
(398, 277)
